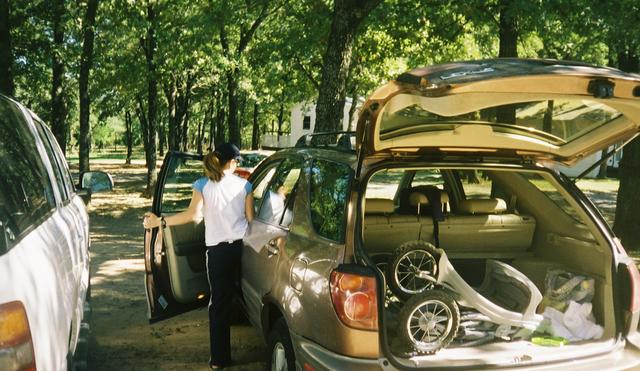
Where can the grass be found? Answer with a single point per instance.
(109, 154)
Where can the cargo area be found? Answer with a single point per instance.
(486, 266)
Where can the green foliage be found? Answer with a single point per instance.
(279, 63)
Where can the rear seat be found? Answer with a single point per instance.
(480, 228)
(486, 226)
(384, 230)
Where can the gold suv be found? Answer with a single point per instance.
(455, 174)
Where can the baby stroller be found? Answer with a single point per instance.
(504, 305)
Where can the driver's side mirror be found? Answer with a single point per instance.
(94, 182)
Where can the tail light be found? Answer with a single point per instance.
(355, 299)
(16, 347)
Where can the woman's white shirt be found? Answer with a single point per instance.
(224, 207)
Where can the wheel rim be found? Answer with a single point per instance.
(429, 325)
(409, 265)
(279, 358)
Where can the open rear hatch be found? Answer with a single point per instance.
(548, 110)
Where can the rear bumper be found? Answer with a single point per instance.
(308, 352)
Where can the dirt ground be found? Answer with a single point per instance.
(121, 337)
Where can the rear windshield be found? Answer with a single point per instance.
(554, 121)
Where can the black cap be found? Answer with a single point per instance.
(226, 152)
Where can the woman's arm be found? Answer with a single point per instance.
(248, 207)
(151, 220)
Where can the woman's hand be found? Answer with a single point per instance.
(151, 220)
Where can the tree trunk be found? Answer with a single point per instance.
(212, 122)
(627, 220)
(85, 69)
(185, 130)
(352, 109)
(58, 104)
(602, 171)
(170, 95)
(547, 120)
(255, 133)
(280, 121)
(508, 49)
(508, 31)
(162, 137)
(232, 95)
(149, 47)
(6, 51)
(128, 122)
(347, 17)
(220, 137)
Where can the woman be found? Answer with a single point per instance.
(226, 202)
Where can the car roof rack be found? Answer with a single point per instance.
(338, 140)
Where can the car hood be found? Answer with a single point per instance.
(544, 109)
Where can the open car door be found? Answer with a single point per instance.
(175, 268)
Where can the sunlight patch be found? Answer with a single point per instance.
(112, 268)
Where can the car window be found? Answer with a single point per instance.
(251, 159)
(55, 162)
(428, 177)
(476, 184)
(329, 190)
(260, 185)
(552, 192)
(26, 195)
(181, 173)
(62, 162)
(279, 192)
(384, 184)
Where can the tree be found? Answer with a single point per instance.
(346, 19)
(148, 118)
(6, 51)
(237, 27)
(85, 68)
(59, 125)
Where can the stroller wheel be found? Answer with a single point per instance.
(430, 321)
(412, 269)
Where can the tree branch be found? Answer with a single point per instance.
(306, 72)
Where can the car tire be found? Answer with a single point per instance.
(429, 321)
(281, 356)
(403, 266)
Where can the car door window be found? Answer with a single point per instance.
(26, 195)
(279, 192)
(55, 163)
(60, 158)
(261, 184)
(181, 173)
(329, 190)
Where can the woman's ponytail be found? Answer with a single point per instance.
(212, 167)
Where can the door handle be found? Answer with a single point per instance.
(272, 248)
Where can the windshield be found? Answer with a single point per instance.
(554, 121)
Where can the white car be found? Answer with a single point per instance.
(44, 245)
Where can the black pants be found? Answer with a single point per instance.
(223, 271)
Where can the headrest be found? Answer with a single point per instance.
(416, 198)
(378, 206)
(483, 206)
(444, 200)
